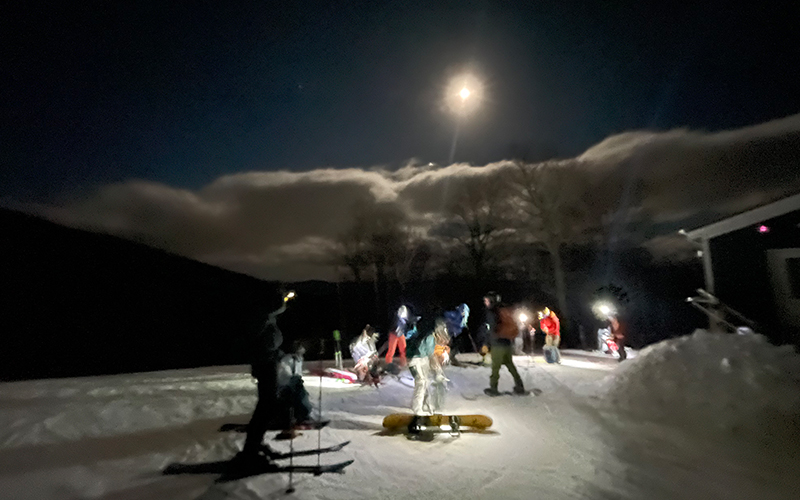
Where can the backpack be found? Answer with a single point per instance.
(506, 325)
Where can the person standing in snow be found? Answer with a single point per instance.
(551, 327)
(397, 337)
(456, 322)
(487, 329)
(428, 353)
(618, 333)
(442, 356)
(266, 357)
(501, 340)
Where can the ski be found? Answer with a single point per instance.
(302, 426)
(230, 472)
(317, 470)
(277, 455)
(473, 397)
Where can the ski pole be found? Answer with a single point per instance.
(319, 400)
(290, 489)
(337, 355)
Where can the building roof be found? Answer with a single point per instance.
(749, 218)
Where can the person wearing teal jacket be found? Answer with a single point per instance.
(420, 347)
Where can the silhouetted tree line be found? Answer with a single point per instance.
(539, 235)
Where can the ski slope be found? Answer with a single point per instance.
(110, 437)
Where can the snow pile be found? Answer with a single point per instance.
(736, 385)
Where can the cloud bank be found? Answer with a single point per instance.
(280, 225)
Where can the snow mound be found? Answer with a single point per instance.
(710, 382)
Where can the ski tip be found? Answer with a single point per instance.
(335, 468)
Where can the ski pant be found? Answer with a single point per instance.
(527, 341)
(623, 355)
(420, 369)
(396, 342)
(263, 414)
(552, 342)
(438, 386)
(502, 356)
(427, 374)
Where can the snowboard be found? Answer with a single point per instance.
(473, 397)
(400, 421)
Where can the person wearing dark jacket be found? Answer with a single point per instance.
(501, 339)
(266, 356)
(486, 330)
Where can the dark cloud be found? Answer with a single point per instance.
(280, 225)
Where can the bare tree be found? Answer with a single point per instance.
(376, 243)
(353, 249)
(412, 258)
(481, 221)
(551, 201)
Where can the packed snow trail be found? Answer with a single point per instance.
(592, 432)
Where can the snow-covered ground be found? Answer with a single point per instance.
(703, 417)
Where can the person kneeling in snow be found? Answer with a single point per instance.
(293, 403)
(365, 354)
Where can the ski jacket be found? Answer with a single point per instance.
(506, 326)
(550, 325)
(419, 345)
(487, 329)
(453, 320)
(265, 353)
(456, 320)
(619, 332)
(400, 326)
(362, 348)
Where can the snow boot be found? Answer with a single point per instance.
(251, 463)
(455, 425)
(491, 392)
(415, 427)
(393, 369)
(520, 391)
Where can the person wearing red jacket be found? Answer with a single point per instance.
(619, 334)
(551, 327)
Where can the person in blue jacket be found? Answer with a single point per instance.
(456, 322)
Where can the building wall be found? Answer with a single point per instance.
(743, 274)
(784, 269)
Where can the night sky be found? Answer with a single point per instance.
(182, 92)
(124, 114)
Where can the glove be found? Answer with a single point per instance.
(484, 350)
(445, 357)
